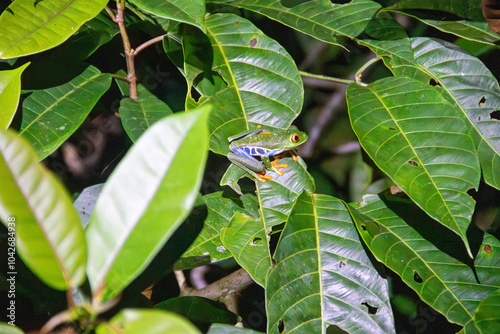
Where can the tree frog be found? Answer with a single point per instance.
(264, 143)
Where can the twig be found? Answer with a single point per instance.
(129, 53)
(148, 43)
(324, 77)
(110, 13)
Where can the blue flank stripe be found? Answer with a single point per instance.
(254, 151)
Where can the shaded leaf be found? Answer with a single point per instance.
(322, 276)
(247, 240)
(84, 204)
(145, 200)
(320, 19)
(228, 329)
(38, 211)
(31, 26)
(51, 115)
(187, 11)
(220, 210)
(443, 277)
(487, 318)
(399, 123)
(10, 90)
(469, 9)
(140, 321)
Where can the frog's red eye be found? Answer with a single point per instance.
(295, 138)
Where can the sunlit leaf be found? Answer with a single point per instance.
(399, 123)
(322, 276)
(10, 90)
(31, 26)
(144, 201)
(38, 211)
(487, 318)
(51, 115)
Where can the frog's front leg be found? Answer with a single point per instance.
(275, 166)
(249, 164)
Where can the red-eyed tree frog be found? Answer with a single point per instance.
(264, 143)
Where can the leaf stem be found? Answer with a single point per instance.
(119, 77)
(323, 77)
(359, 73)
(148, 43)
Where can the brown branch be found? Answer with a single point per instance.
(148, 43)
(129, 52)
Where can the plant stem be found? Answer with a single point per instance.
(129, 53)
(364, 67)
(119, 77)
(323, 77)
(148, 43)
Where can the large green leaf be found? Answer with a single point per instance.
(140, 321)
(487, 318)
(469, 9)
(37, 209)
(221, 208)
(229, 329)
(322, 275)
(138, 115)
(453, 287)
(145, 200)
(248, 241)
(188, 11)
(10, 90)
(263, 84)
(51, 115)
(31, 26)
(415, 136)
(320, 19)
(465, 81)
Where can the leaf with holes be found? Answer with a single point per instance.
(487, 318)
(320, 19)
(220, 210)
(247, 239)
(138, 115)
(399, 123)
(263, 84)
(51, 115)
(10, 90)
(322, 276)
(145, 199)
(466, 82)
(35, 207)
(187, 11)
(402, 237)
(30, 26)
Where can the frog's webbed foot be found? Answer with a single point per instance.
(292, 154)
(263, 177)
(277, 166)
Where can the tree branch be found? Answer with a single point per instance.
(148, 43)
(129, 53)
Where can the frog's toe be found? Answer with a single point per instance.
(262, 177)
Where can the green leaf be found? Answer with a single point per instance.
(247, 239)
(37, 209)
(10, 90)
(259, 92)
(229, 329)
(34, 26)
(199, 310)
(187, 11)
(470, 9)
(145, 200)
(322, 276)
(9, 329)
(220, 210)
(399, 123)
(320, 19)
(51, 115)
(138, 115)
(140, 321)
(402, 237)
(486, 317)
(466, 82)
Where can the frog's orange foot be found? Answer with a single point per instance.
(295, 158)
(263, 177)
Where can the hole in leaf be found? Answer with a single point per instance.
(481, 102)
(392, 129)
(472, 192)
(488, 249)
(411, 162)
(292, 3)
(281, 326)
(37, 2)
(478, 118)
(416, 277)
(256, 242)
(340, 2)
(371, 309)
(495, 115)
(253, 42)
(342, 264)
(434, 83)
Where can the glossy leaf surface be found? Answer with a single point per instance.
(487, 318)
(51, 115)
(322, 275)
(49, 236)
(399, 123)
(10, 91)
(403, 238)
(145, 200)
(30, 26)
